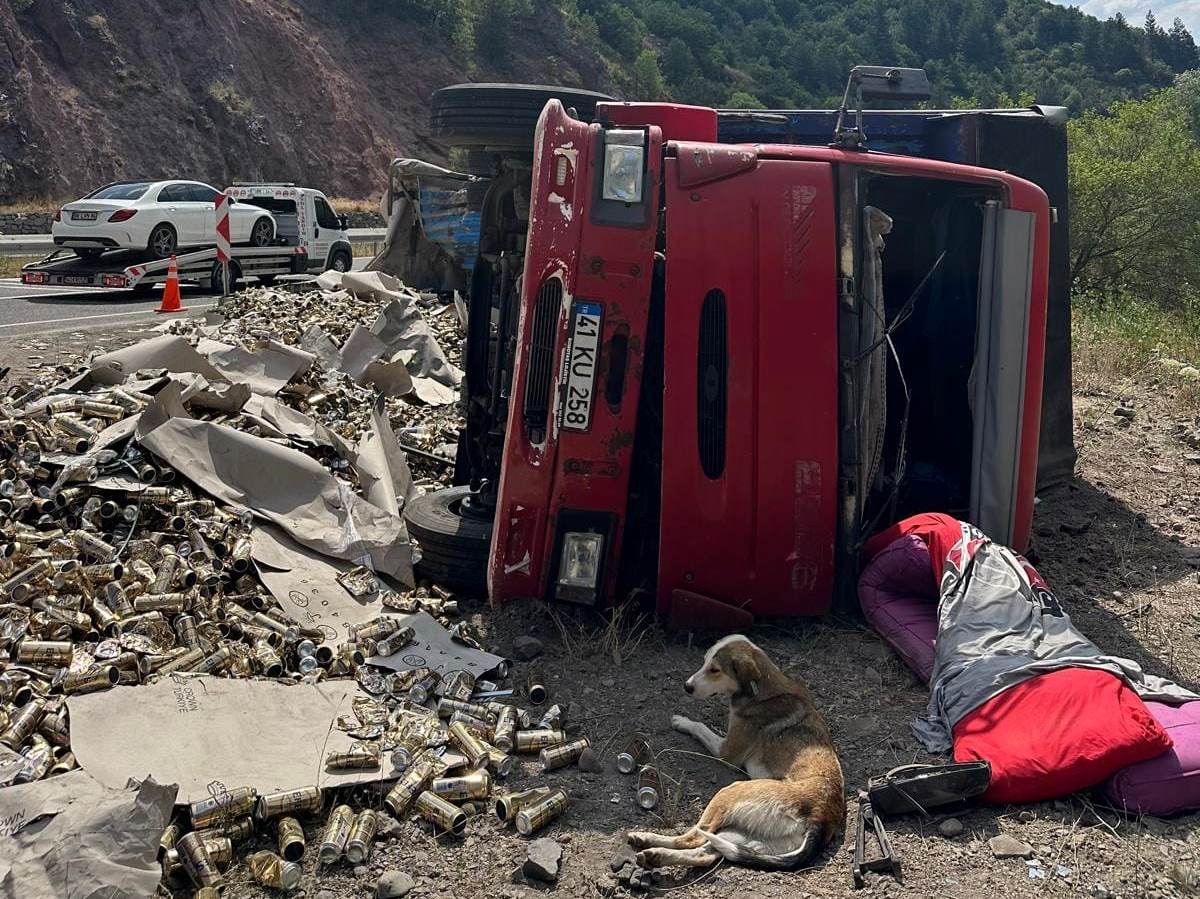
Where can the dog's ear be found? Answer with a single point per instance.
(745, 668)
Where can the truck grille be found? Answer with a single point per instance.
(541, 359)
(712, 383)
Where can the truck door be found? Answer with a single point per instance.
(750, 403)
(1001, 348)
(325, 231)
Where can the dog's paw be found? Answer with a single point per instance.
(650, 858)
(638, 839)
(682, 723)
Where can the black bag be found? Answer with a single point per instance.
(920, 788)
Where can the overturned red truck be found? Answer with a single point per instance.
(730, 364)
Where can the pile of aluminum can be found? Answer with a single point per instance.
(444, 746)
(114, 571)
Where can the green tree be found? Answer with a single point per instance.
(744, 100)
(647, 78)
(1134, 178)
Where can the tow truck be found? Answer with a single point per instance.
(128, 270)
(720, 367)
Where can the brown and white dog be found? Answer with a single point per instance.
(795, 802)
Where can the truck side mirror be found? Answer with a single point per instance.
(343, 222)
(875, 83)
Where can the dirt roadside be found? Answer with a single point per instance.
(1121, 547)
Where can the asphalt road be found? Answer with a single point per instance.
(32, 310)
(36, 310)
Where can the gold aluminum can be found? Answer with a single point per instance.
(185, 661)
(505, 732)
(501, 763)
(362, 835)
(170, 603)
(91, 680)
(291, 839)
(552, 718)
(45, 652)
(411, 745)
(537, 740)
(553, 757)
(23, 724)
(479, 725)
(649, 787)
(207, 893)
(447, 707)
(38, 571)
(92, 545)
(220, 850)
(458, 685)
(635, 754)
(375, 630)
(169, 838)
(193, 854)
(54, 728)
(39, 756)
(337, 833)
(267, 659)
(536, 691)
(304, 800)
(241, 829)
(534, 817)
(422, 690)
(117, 599)
(395, 641)
(414, 781)
(474, 748)
(440, 813)
(185, 629)
(216, 662)
(64, 763)
(509, 803)
(270, 870)
(364, 758)
(475, 785)
(227, 805)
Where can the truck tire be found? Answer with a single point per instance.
(501, 115)
(341, 261)
(215, 276)
(454, 546)
(263, 233)
(163, 241)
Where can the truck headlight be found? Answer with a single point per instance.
(581, 557)
(624, 158)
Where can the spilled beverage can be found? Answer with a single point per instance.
(337, 833)
(362, 835)
(649, 787)
(560, 756)
(534, 817)
(440, 813)
(635, 754)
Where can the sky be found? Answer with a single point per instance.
(1166, 11)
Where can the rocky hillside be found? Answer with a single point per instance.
(298, 90)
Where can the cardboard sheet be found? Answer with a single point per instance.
(201, 731)
(360, 350)
(70, 836)
(168, 351)
(305, 584)
(382, 466)
(401, 326)
(265, 369)
(321, 345)
(285, 486)
(434, 648)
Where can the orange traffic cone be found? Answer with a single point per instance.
(170, 300)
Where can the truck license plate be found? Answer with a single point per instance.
(83, 216)
(583, 353)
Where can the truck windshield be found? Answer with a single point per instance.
(131, 191)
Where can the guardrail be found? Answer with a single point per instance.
(40, 244)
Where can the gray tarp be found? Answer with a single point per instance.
(997, 629)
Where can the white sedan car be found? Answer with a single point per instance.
(159, 217)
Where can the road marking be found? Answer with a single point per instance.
(76, 318)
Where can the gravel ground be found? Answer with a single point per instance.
(1121, 546)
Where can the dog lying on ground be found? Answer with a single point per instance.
(795, 802)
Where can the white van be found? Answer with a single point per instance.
(304, 218)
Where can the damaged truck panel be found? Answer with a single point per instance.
(574, 397)
(750, 419)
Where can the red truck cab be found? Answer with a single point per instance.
(736, 362)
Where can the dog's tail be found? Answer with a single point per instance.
(739, 853)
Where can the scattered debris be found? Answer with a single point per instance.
(589, 761)
(950, 828)
(393, 885)
(1005, 846)
(526, 648)
(542, 860)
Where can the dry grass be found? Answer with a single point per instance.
(345, 205)
(618, 639)
(10, 266)
(30, 207)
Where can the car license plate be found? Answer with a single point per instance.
(583, 353)
(76, 279)
(83, 216)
